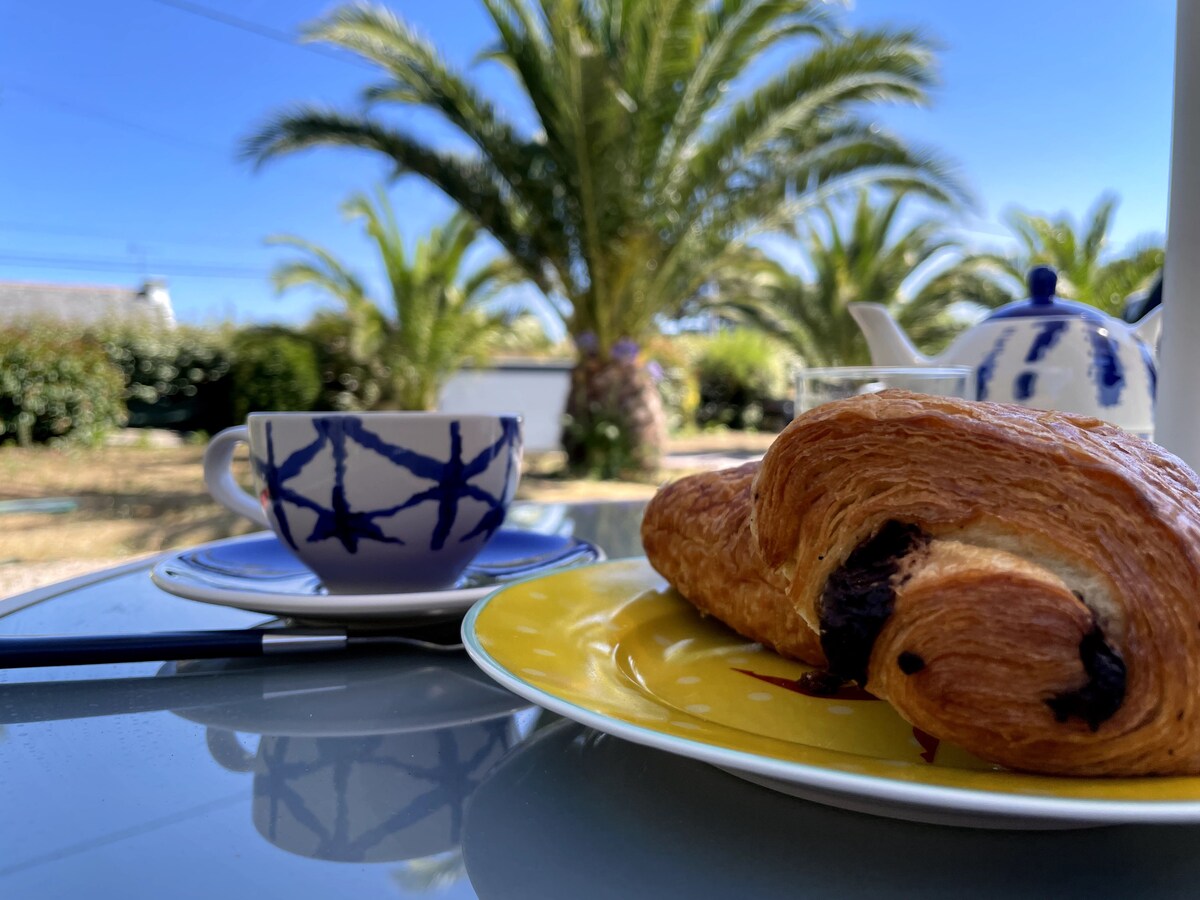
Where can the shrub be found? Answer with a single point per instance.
(274, 368)
(55, 389)
(348, 382)
(174, 377)
(671, 362)
(740, 371)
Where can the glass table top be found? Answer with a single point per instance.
(413, 775)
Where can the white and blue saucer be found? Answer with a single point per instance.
(257, 572)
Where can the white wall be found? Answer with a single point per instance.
(538, 391)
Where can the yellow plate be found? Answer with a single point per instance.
(612, 646)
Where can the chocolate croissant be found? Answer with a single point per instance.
(1023, 584)
(696, 534)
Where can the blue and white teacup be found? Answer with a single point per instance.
(379, 502)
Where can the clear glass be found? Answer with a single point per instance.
(823, 385)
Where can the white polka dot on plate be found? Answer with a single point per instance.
(541, 651)
(698, 708)
(840, 710)
(527, 629)
(535, 672)
(758, 696)
(688, 679)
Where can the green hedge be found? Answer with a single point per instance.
(55, 385)
(740, 373)
(175, 378)
(274, 368)
(348, 383)
(56, 388)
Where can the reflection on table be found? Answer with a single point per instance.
(366, 760)
(616, 820)
(372, 765)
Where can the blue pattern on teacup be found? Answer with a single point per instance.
(308, 804)
(452, 482)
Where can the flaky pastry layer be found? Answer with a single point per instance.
(696, 534)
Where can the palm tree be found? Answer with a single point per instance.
(441, 317)
(1078, 252)
(652, 160)
(916, 270)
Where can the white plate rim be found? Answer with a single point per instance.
(282, 603)
(1005, 808)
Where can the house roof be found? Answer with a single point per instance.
(85, 304)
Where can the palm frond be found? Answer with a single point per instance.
(525, 47)
(418, 75)
(442, 315)
(327, 274)
(881, 67)
(727, 27)
(1099, 223)
(864, 253)
(470, 183)
(1086, 273)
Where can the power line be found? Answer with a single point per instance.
(70, 231)
(91, 112)
(258, 29)
(75, 108)
(178, 268)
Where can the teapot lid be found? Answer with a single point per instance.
(1042, 302)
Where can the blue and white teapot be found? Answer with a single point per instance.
(1043, 352)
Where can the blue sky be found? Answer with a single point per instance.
(119, 126)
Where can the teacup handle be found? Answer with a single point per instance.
(224, 748)
(218, 477)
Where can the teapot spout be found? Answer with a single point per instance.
(1148, 328)
(888, 343)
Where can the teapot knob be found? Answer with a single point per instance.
(1042, 282)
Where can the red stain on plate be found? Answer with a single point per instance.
(818, 684)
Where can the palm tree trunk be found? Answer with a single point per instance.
(614, 423)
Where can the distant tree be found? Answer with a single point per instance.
(651, 163)
(867, 255)
(438, 318)
(1078, 251)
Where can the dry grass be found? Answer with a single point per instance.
(134, 500)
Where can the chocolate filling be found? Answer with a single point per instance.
(858, 598)
(1104, 692)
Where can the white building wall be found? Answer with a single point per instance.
(538, 391)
